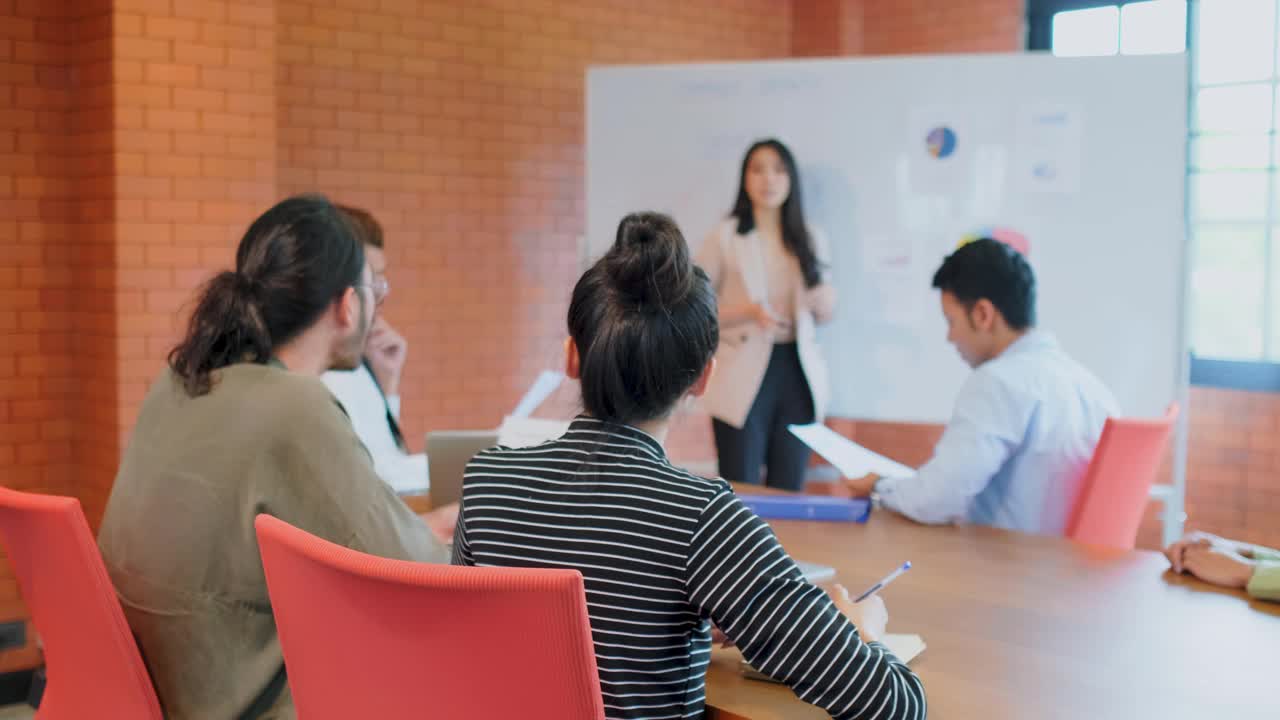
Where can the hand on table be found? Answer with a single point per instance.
(1213, 559)
(442, 521)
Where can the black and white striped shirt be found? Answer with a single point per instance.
(662, 552)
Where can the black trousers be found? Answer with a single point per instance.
(764, 440)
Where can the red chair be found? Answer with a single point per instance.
(374, 638)
(1117, 483)
(92, 662)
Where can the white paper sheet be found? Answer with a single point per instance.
(850, 458)
(539, 391)
(815, 573)
(1048, 151)
(408, 474)
(518, 432)
(906, 647)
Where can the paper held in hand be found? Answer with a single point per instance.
(847, 456)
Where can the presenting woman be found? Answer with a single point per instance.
(766, 265)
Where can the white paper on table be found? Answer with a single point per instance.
(850, 458)
(406, 474)
(815, 573)
(548, 381)
(518, 432)
(905, 647)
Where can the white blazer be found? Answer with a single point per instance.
(735, 264)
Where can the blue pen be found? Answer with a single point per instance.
(887, 579)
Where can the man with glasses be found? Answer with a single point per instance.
(371, 393)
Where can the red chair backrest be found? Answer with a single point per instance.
(92, 663)
(365, 636)
(1117, 483)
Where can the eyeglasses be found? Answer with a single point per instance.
(380, 288)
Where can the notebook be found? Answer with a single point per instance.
(808, 507)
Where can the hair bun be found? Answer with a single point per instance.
(649, 261)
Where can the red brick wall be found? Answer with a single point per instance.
(192, 147)
(818, 28)
(899, 27)
(94, 263)
(826, 28)
(35, 242)
(37, 378)
(1233, 464)
(460, 125)
(136, 141)
(139, 137)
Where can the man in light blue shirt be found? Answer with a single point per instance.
(1025, 422)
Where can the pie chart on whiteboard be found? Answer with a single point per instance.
(941, 142)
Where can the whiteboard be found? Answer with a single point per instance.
(1084, 157)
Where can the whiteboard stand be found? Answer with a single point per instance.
(1172, 516)
(1172, 497)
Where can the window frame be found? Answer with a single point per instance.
(1252, 375)
(1040, 17)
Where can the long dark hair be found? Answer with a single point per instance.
(795, 234)
(292, 263)
(643, 318)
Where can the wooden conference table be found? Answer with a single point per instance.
(1025, 627)
(1037, 628)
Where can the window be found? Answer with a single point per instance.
(1234, 159)
(1149, 28)
(1079, 33)
(1081, 28)
(1234, 193)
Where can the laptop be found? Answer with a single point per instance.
(448, 452)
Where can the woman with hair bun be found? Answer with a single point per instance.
(665, 553)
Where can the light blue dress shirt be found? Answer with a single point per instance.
(1015, 451)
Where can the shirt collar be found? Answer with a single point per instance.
(1032, 340)
(588, 428)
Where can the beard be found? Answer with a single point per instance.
(350, 351)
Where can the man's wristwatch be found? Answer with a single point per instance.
(875, 492)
